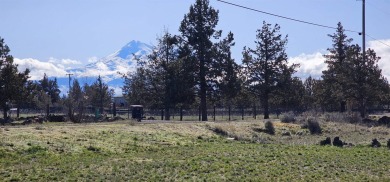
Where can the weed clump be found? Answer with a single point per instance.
(288, 117)
(313, 126)
(375, 143)
(351, 117)
(132, 122)
(286, 133)
(269, 128)
(327, 141)
(337, 142)
(385, 121)
(39, 128)
(388, 143)
(35, 149)
(219, 131)
(93, 149)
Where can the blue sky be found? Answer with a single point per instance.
(72, 33)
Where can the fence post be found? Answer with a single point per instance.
(200, 114)
(181, 113)
(242, 113)
(254, 112)
(229, 111)
(214, 113)
(114, 109)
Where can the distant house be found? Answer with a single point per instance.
(121, 102)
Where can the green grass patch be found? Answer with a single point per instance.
(180, 152)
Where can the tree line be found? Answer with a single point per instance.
(195, 69)
(18, 91)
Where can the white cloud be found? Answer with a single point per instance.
(93, 59)
(64, 61)
(314, 64)
(117, 90)
(310, 65)
(382, 51)
(38, 68)
(101, 66)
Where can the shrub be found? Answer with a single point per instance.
(286, 133)
(337, 142)
(384, 121)
(93, 148)
(288, 117)
(368, 121)
(39, 128)
(375, 143)
(35, 149)
(313, 126)
(220, 131)
(327, 141)
(388, 143)
(334, 117)
(269, 128)
(353, 117)
(55, 118)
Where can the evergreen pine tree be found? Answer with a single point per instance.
(266, 66)
(198, 30)
(11, 80)
(334, 77)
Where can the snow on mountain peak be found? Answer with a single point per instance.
(134, 47)
(121, 61)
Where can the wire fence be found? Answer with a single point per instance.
(149, 114)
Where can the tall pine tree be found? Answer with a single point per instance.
(198, 29)
(266, 66)
(11, 80)
(334, 77)
(364, 82)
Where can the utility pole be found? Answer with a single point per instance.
(69, 80)
(364, 30)
(70, 104)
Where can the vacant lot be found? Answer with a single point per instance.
(215, 151)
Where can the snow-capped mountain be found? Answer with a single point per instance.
(136, 48)
(122, 61)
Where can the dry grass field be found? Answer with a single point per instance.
(190, 151)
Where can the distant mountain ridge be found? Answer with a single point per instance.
(123, 58)
(122, 61)
(134, 47)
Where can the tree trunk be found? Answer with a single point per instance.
(5, 116)
(18, 112)
(204, 106)
(181, 113)
(167, 114)
(81, 112)
(162, 114)
(200, 114)
(343, 105)
(229, 111)
(114, 109)
(203, 87)
(254, 112)
(242, 113)
(266, 106)
(70, 110)
(214, 113)
(47, 110)
(362, 109)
